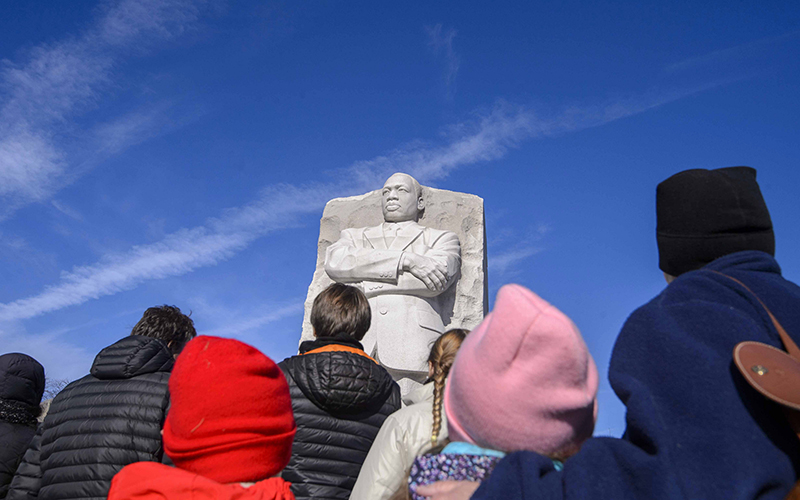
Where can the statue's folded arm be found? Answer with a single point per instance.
(346, 262)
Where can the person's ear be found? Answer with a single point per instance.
(169, 346)
(420, 203)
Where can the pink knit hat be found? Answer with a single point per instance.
(523, 380)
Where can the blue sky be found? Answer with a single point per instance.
(181, 151)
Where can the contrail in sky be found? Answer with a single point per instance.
(487, 138)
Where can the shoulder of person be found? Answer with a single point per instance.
(412, 414)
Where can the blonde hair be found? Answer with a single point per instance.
(443, 353)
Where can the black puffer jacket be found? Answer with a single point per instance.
(21, 388)
(340, 399)
(100, 423)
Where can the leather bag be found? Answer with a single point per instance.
(772, 372)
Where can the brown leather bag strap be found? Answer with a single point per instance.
(788, 343)
(792, 415)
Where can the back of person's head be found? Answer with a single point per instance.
(706, 214)
(341, 310)
(166, 323)
(21, 387)
(523, 380)
(441, 358)
(230, 417)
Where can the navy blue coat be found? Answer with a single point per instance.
(695, 429)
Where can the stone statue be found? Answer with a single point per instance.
(404, 269)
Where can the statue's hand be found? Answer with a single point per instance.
(427, 270)
(448, 490)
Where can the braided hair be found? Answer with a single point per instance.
(443, 353)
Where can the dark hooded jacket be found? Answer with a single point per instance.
(99, 424)
(340, 398)
(21, 388)
(695, 428)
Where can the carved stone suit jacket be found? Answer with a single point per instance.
(406, 315)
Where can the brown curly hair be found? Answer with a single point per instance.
(166, 323)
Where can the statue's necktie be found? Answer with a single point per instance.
(391, 235)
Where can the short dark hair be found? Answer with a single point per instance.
(166, 323)
(341, 309)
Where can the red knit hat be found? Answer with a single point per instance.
(231, 415)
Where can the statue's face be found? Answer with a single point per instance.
(400, 200)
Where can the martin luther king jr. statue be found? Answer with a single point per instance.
(402, 268)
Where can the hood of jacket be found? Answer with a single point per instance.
(341, 382)
(154, 481)
(21, 379)
(132, 356)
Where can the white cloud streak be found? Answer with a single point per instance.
(441, 42)
(66, 210)
(747, 50)
(61, 80)
(63, 359)
(177, 254)
(238, 328)
(484, 139)
(503, 262)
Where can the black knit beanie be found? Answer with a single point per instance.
(705, 214)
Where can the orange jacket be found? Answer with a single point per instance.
(154, 481)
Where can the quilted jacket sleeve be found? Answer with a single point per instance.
(384, 469)
(28, 478)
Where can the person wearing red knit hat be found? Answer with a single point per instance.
(229, 430)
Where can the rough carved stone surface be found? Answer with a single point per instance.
(446, 210)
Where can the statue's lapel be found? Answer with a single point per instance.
(373, 237)
(406, 237)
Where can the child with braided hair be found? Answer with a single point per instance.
(440, 360)
(411, 431)
(523, 380)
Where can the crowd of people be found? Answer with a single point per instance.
(709, 373)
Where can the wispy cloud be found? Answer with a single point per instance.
(257, 321)
(502, 262)
(277, 207)
(441, 42)
(124, 131)
(63, 359)
(486, 138)
(57, 81)
(66, 210)
(739, 52)
(177, 254)
(21, 257)
(505, 261)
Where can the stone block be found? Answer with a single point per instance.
(460, 213)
